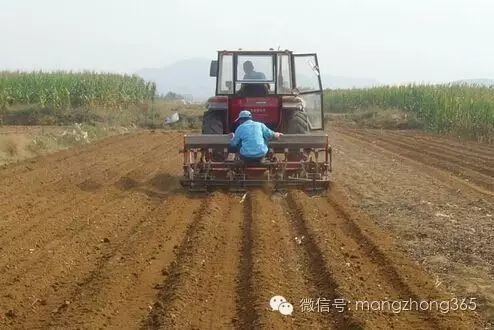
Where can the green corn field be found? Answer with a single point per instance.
(462, 110)
(68, 90)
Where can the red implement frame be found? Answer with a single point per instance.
(294, 160)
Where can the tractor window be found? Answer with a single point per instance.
(308, 83)
(284, 77)
(255, 68)
(225, 75)
(255, 77)
(313, 108)
(307, 73)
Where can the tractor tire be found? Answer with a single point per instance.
(296, 122)
(212, 122)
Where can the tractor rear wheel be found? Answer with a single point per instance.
(212, 123)
(296, 122)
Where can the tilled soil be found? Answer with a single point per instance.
(434, 194)
(102, 236)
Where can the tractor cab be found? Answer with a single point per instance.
(272, 85)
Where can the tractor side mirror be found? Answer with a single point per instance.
(213, 69)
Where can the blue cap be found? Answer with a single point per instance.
(244, 114)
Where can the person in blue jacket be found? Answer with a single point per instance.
(251, 138)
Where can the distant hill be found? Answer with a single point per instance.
(191, 77)
(339, 82)
(187, 77)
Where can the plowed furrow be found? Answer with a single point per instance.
(103, 236)
(184, 289)
(471, 148)
(59, 229)
(74, 197)
(247, 314)
(67, 239)
(89, 178)
(458, 150)
(281, 266)
(37, 251)
(120, 291)
(38, 164)
(44, 189)
(202, 281)
(49, 167)
(482, 167)
(315, 269)
(476, 148)
(75, 255)
(367, 267)
(469, 177)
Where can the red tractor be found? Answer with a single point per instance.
(281, 89)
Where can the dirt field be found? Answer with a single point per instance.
(103, 236)
(18, 143)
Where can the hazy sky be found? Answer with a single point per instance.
(389, 40)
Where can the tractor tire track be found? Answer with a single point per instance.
(247, 315)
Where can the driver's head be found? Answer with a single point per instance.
(248, 67)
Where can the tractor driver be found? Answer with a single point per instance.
(250, 73)
(250, 138)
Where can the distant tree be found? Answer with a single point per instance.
(171, 96)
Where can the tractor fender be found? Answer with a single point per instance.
(216, 103)
(292, 103)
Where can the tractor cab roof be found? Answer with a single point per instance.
(256, 52)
